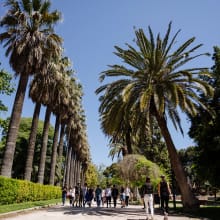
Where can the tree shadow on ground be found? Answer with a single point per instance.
(131, 212)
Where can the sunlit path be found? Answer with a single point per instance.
(93, 213)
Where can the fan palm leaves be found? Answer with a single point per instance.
(29, 40)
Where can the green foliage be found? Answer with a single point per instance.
(22, 146)
(18, 191)
(6, 88)
(133, 170)
(91, 175)
(205, 130)
(102, 179)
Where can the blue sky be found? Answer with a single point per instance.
(90, 30)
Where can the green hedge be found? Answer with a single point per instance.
(17, 191)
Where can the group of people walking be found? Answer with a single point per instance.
(122, 193)
(147, 194)
(80, 196)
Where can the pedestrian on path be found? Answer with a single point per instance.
(108, 195)
(122, 196)
(148, 197)
(114, 195)
(98, 195)
(64, 194)
(71, 195)
(127, 195)
(164, 194)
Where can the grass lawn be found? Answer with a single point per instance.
(26, 205)
(211, 212)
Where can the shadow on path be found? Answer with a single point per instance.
(131, 211)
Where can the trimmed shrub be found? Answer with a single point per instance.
(18, 191)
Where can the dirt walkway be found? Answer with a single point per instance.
(59, 212)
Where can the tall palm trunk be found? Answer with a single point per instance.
(188, 199)
(44, 146)
(54, 151)
(60, 147)
(128, 140)
(8, 158)
(60, 154)
(32, 141)
(68, 163)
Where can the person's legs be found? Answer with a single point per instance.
(151, 204)
(126, 200)
(108, 200)
(162, 199)
(167, 204)
(114, 201)
(146, 200)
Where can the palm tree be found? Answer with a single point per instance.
(60, 99)
(29, 40)
(155, 84)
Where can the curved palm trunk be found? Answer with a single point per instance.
(44, 146)
(14, 126)
(32, 141)
(190, 203)
(54, 151)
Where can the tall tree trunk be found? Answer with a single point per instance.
(54, 151)
(44, 146)
(31, 144)
(8, 158)
(60, 171)
(71, 176)
(190, 203)
(60, 147)
(68, 163)
(128, 141)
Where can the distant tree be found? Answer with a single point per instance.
(101, 178)
(91, 175)
(189, 159)
(133, 169)
(205, 129)
(6, 88)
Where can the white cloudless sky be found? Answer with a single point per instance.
(90, 30)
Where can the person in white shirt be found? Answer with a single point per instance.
(108, 195)
(148, 197)
(127, 195)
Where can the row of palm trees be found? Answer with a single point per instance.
(149, 88)
(34, 49)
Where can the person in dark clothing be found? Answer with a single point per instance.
(64, 194)
(89, 196)
(164, 194)
(98, 195)
(114, 195)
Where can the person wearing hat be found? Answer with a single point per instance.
(147, 190)
(164, 193)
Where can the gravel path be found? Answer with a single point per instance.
(59, 212)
